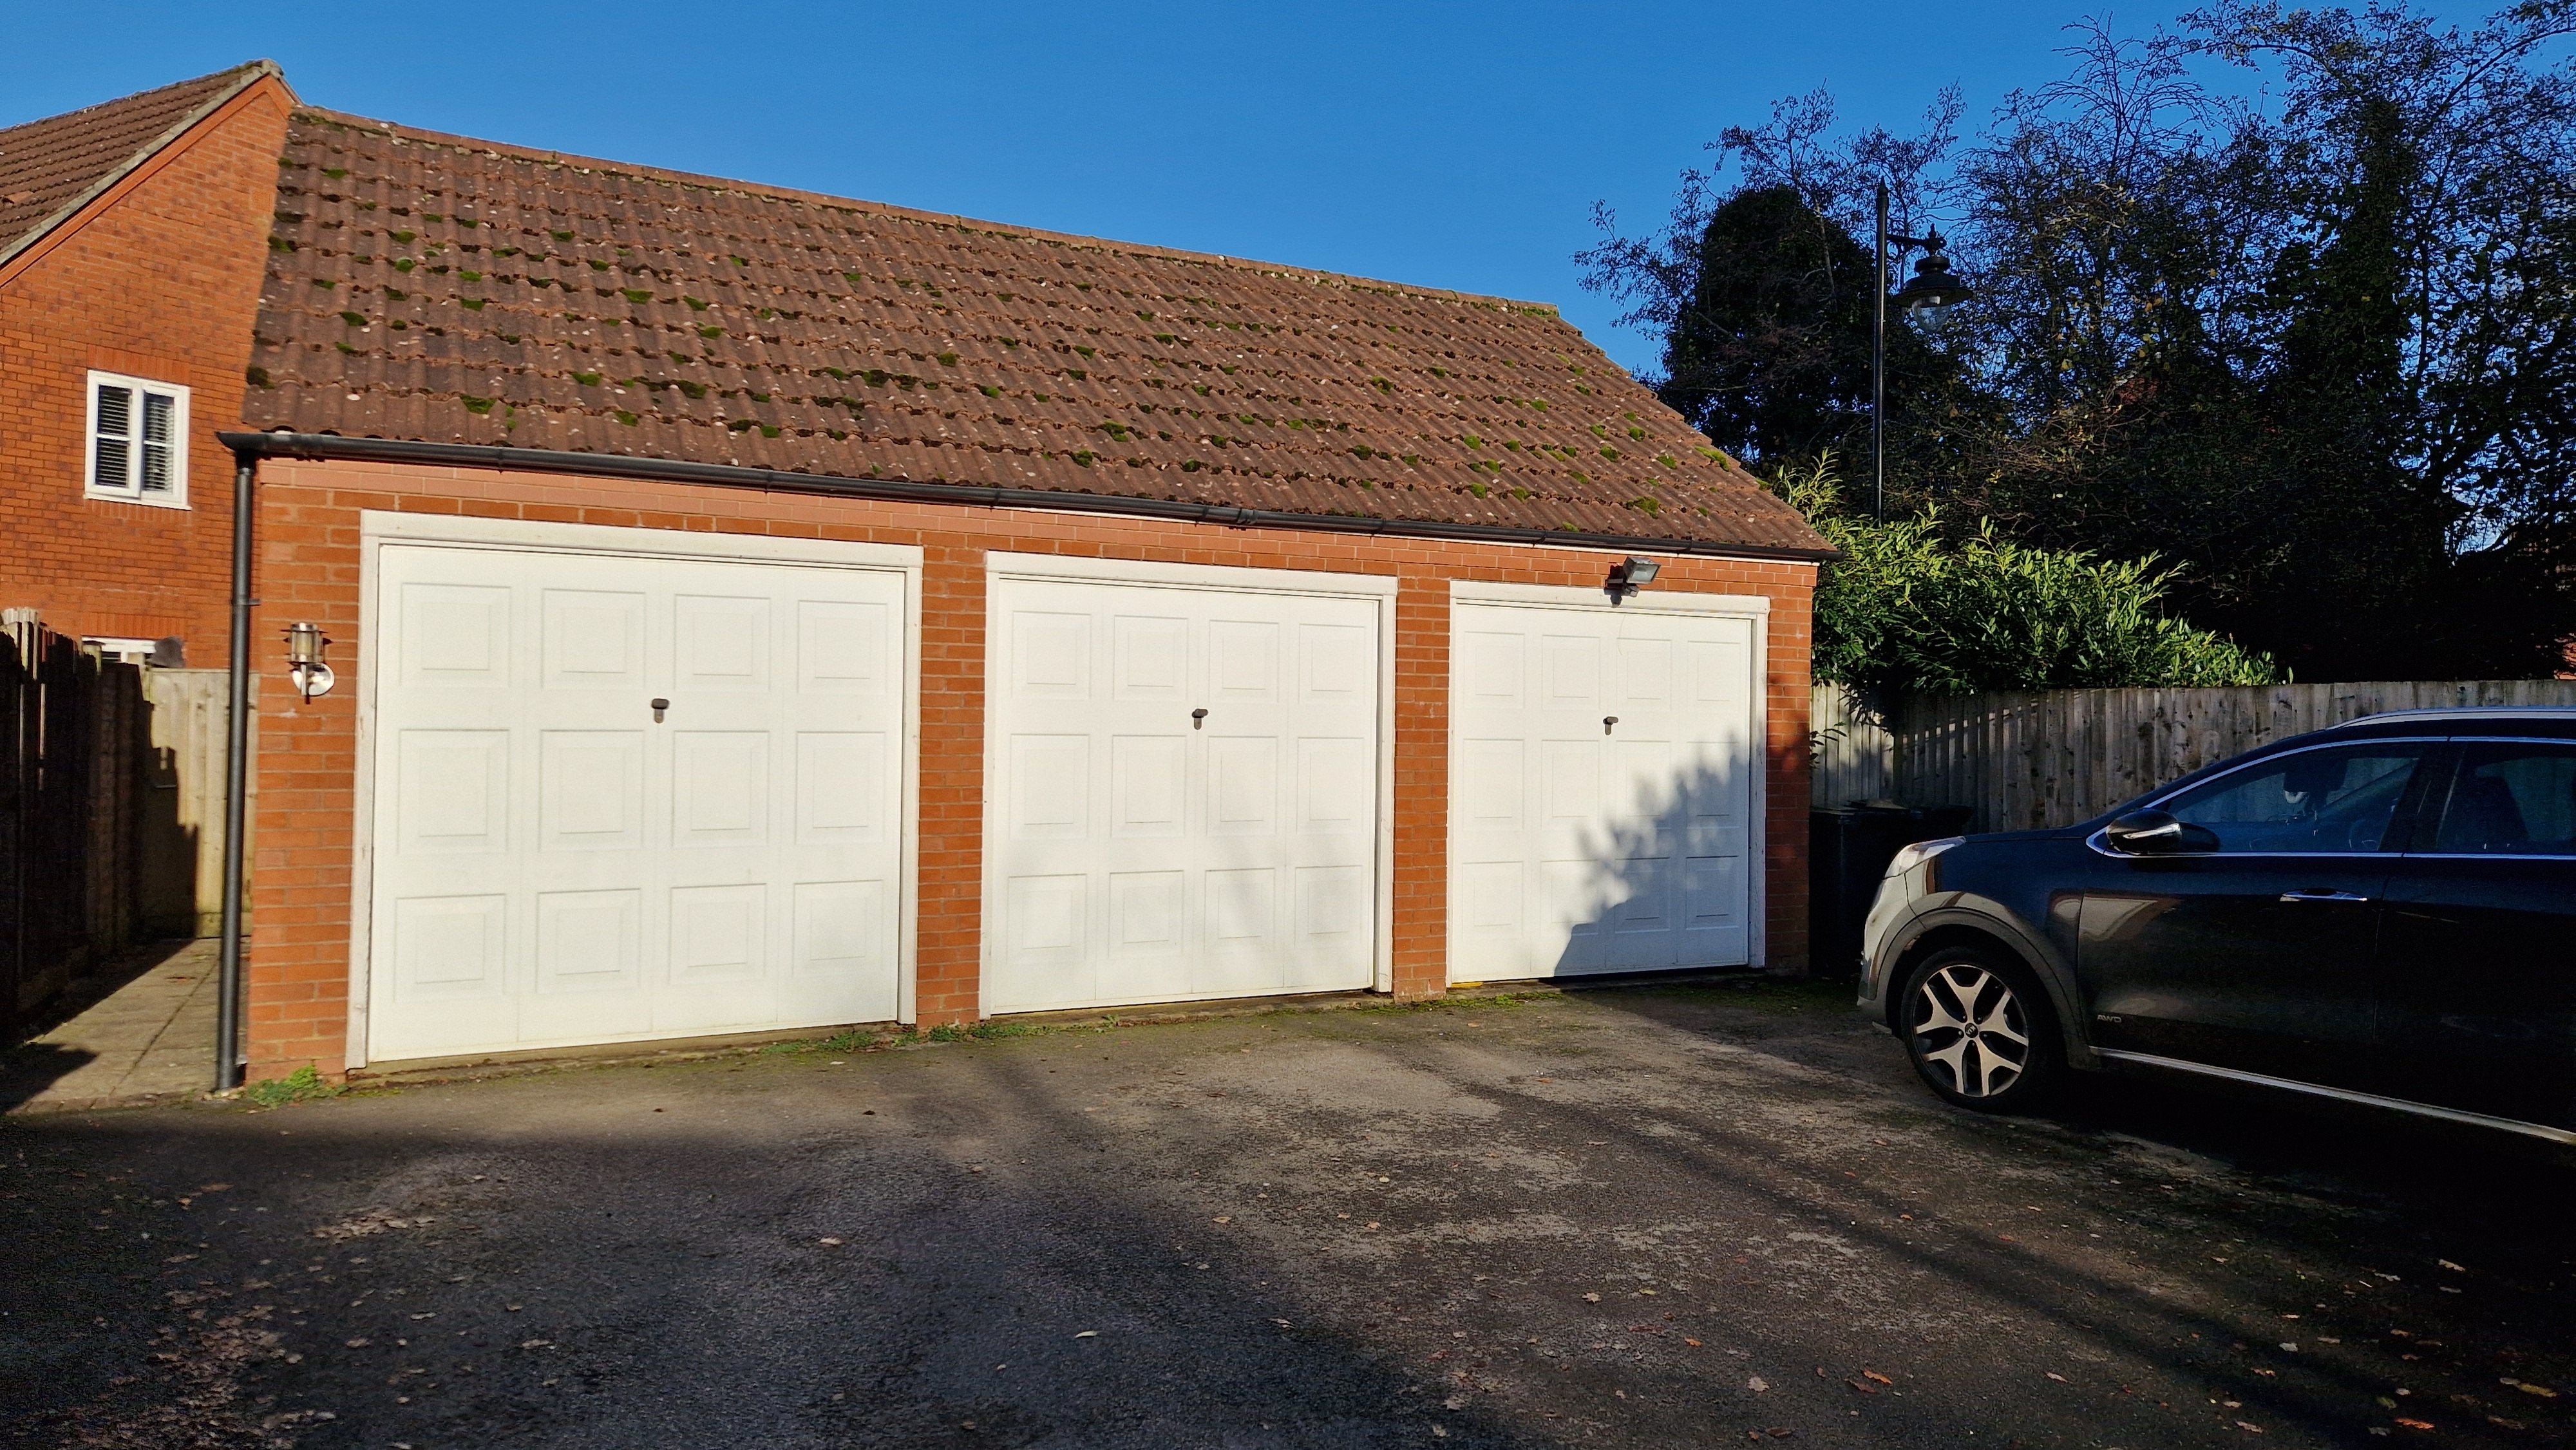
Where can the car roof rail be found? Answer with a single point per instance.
(2455, 712)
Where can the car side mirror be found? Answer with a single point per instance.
(2155, 833)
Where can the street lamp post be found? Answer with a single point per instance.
(1932, 292)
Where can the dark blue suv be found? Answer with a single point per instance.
(2383, 912)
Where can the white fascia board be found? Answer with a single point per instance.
(1594, 599)
(1157, 573)
(385, 526)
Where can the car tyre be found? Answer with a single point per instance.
(1980, 1030)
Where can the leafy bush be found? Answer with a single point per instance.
(1910, 608)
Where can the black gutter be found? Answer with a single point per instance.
(228, 976)
(609, 465)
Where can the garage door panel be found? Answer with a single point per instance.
(454, 796)
(1051, 655)
(1332, 923)
(1570, 666)
(840, 787)
(1336, 788)
(721, 643)
(1493, 669)
(719, 788)
(594, 640)
(1339, 662)
(726, 867)
(454, 636)
(1243, 785)
(842, 930)
(589, 941)
(1149, 785)
(590, 790)
(1149, 657)
(1645, 671)
(1570, 779)
(1595, 814)
(1491, 780)
(1233, 748)
(718, 934)
(1148, 914)
(450, 948)
(1243, 661)
(1050, 788)
(841, 648)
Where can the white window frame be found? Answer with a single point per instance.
(129, 489)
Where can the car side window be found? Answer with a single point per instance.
(2510, 798)
(2335, 800)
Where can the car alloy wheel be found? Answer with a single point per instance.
(1968, 1022)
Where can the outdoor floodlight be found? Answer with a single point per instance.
(1629, 575)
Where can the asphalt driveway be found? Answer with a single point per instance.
(1647, 1218)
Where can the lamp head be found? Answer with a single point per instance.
(1934, 289)
(1629, 575)
(305, 643)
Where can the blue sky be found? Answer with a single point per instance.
(1454, 145)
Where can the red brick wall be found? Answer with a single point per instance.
(160, 278)
(309, 562)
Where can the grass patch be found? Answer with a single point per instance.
(303, 1085)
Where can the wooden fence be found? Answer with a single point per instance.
(111, 802)
(2031, 761)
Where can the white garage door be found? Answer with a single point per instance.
(1604, 771)
(1184, 801)
(554, 864)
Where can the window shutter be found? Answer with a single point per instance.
(115, 437)
(157, 442)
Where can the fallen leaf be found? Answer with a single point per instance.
(2416, 1424)
(1224, 1218)
(2447, 1264)
(1088, 1334)
(1591, 1298)
(1871, 1374)
(1864, 1389)
(2061, 1379)
(1693, 1343)
(360, 1343)
(1757, 1384)
(2541, 1390)
(829, 1243)
(2249, 1427)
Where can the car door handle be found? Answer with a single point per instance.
(2321, 896)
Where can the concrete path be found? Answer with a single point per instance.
(1611, 1219)
(151, 1039)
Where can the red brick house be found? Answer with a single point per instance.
(755, 610)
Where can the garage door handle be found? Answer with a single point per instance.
(2321, 896)
(1607, 721)
(1198, 719)
(658, 707)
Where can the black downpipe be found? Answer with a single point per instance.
(228, 1006)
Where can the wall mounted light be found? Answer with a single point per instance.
(305, 643)
(1630, 575)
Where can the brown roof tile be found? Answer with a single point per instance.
(437, 289)
(50, 168)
